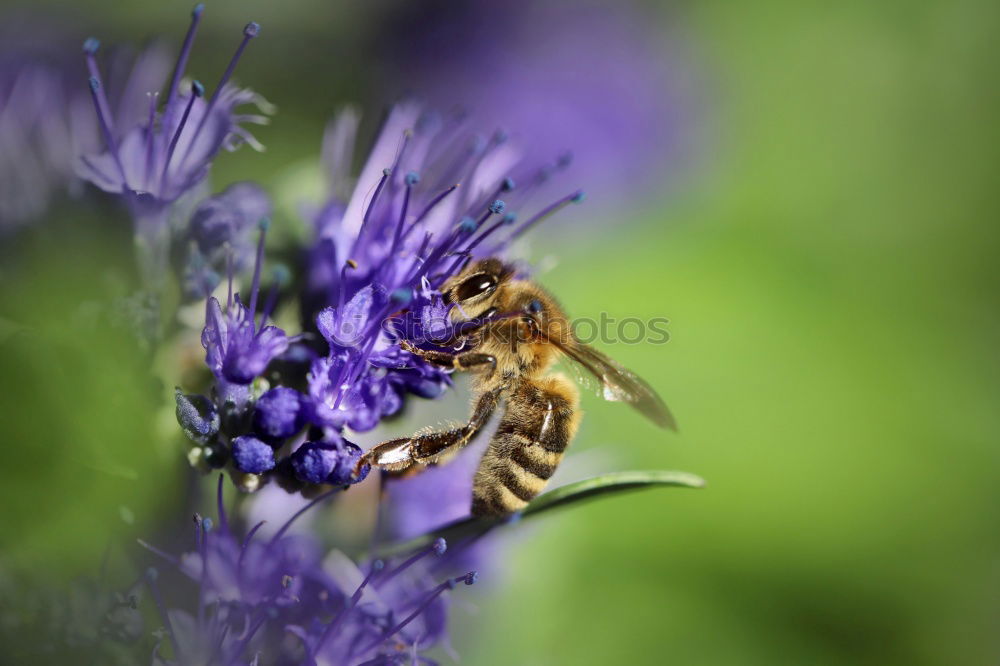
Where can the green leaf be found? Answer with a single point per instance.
(615, 482)
(572, 493)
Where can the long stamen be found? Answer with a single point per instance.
(109, 139)
(229, 273)
(255, 285)
(419, 261)
(150, 136)
(576, 197)
(351, 604)
(544, 175)
(151, 576)
(250, 535)
(464, 226)
(407, 135)
(258, 623)
(342, 293)
(90, 47)
(371, 204)
(204, 527)
(284, 528)
(504, 221)
(223, 519)
(467, 225)
(185, 51)
(469, 579)
(429, 207)
(243, 548)
(159, 553)
(249, 32)
(280, 277)
(438, 548)
(197, 90)
(454, 171)
(411, 180)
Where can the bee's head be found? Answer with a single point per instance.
(475, 289)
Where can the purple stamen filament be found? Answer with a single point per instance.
(150, 136)
(434, 594)
(97, 93)
(351, 604)
(223, 520)
(195, 93)
(185, 52)
(102, 100)
(162, 609)
(255, 285)
(249, 32)
(371, 204)
(284, 528)
(438, 547)
(544, 213)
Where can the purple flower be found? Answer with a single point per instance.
(249, 595)
(430, 197)
(331, 461)
(154, 162)
(607, 81)
(46, 115)
(279, 413)
(237, 348)
(251, 455)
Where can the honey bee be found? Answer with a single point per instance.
(513, 333)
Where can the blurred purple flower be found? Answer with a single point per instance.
(605, 80)
(251, 595)
(46, 115)
(154, 161)
(220, 237)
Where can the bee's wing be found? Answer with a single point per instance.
(619, 384)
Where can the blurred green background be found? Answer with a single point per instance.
(828, 270)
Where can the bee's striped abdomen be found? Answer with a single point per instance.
(537, 426)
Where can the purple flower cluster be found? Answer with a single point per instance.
(284, 600)
(431, 197)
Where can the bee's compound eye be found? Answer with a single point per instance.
(475, 285)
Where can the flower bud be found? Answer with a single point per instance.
(252, 455)
(197, 416)
(279, 413)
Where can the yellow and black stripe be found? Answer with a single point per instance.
(537, 427)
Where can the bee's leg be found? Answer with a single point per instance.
(463, 361)
(398, 454)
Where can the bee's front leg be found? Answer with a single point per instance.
(463, 361)
(394, 455)
(424, 449)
